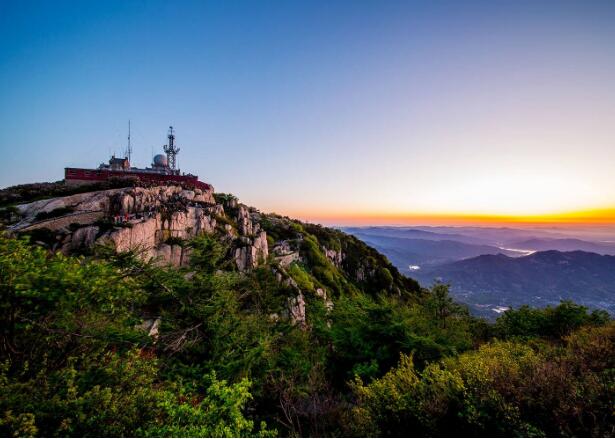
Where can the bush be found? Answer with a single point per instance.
(502, 389)
(302, 278)
(527, 322)
(120, 395)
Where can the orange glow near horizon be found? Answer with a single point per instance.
(598, 217)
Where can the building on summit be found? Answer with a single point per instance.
(162, 170)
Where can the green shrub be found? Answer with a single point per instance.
(302, 278)
(502, 389)
(527, 322)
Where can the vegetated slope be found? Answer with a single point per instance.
(539, 279)
(225, 303)
(264, 326)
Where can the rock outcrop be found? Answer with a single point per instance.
(296, 308)
(124, 201)
(151, 326)
(254, 252)
(335, 256)
(284, 255)
(244, 222)
(86, 202)
(147, 235)
(149, 221)
(253, 248)
(83, 237)
(136, 218)
(320, 292)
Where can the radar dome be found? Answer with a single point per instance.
(160, 160)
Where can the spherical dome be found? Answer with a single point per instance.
(160, 160)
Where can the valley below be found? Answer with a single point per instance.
(494, 269)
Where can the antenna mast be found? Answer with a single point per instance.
(171, 150)
(129, 150)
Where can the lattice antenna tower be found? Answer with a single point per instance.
(171, 149)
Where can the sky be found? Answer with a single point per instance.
(339, 112)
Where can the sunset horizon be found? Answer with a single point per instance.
(589, 218)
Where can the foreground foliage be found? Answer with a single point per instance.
(505, 388)
(111, 346)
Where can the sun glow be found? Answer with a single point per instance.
(515, 193)
(498, 197)
(587, 217)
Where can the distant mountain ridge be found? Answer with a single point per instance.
(428, 252)
(540, 279)
(414, 233)
(565, 245)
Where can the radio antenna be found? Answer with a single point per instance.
(129, 149)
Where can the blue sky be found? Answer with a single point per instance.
(323, 110)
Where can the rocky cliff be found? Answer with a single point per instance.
(154, 222)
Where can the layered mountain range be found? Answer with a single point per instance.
(492, 269)
(496, 282)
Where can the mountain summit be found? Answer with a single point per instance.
(158, 222)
